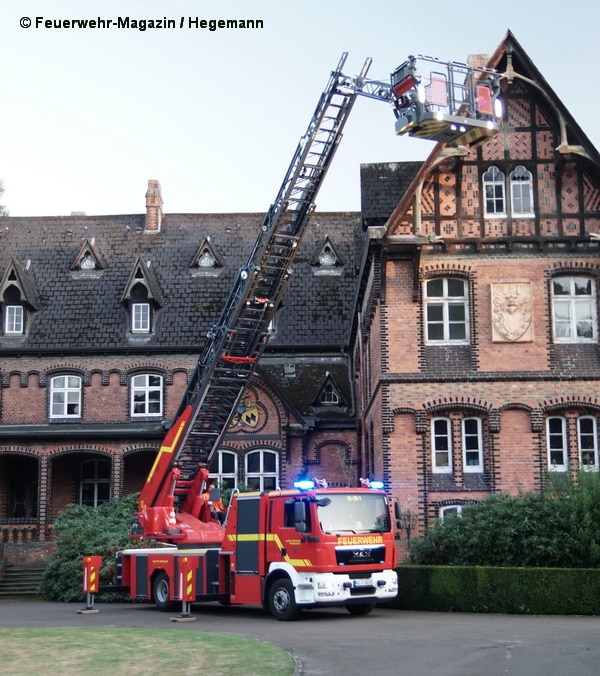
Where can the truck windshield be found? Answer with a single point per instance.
(355, 513)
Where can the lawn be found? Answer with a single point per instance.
(137, 651)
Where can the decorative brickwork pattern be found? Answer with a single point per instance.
(540, 117)
(518, 111)
(493, 150)
(428, 199)
(546, 188)
(569, 197)
(544, 145)
(447, 199)
(469, 194)
(591, 194)
(520, 145)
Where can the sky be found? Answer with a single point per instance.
(89, 115)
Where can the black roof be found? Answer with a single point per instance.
(79, 310)
(381, 187)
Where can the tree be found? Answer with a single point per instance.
(3, 209)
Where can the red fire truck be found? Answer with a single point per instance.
(285, 550)
(307, 546)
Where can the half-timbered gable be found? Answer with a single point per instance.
(479, 309)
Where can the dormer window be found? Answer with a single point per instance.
(142, 298)
(329, 395)
(14, 320)
(327, 257)
(17, 299)
(87, 262)
(140, 318)
(327, 261)
(206, 261)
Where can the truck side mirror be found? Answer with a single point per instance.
(300, 516)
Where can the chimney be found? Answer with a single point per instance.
(154, 205)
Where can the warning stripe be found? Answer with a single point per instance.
(271, 537)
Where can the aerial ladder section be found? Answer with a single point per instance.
(235, 343)
(233, 346)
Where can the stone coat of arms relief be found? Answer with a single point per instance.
(512, 312)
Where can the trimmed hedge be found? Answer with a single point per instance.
(535, 591)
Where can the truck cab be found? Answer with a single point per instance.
(292, 549)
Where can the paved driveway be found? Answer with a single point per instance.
(387, 642)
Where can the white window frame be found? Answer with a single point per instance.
(14, 320)
(140, 317)
(587, 443)
(446, 306)
(467, 441)
(147, 393)
(521, 192)
(438, 451)
(494, 193)
(65, 397)
(97, 483)
(222, 474)
(557, 443)
(329, 396)
(450, 509)
(267, 479)
(576, 309)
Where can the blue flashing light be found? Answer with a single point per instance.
(376, 485)
(304, 484)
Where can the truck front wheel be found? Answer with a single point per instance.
(160, 592)
(282, 602)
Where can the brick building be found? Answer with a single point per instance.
(479, 307)
(103, 319)
(445, 339)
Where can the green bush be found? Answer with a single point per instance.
(540, 591)
(559, 528)
(86, 531)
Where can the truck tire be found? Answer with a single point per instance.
(282, 601)
(160, 592)
(360, 608)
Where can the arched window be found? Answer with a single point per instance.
(223, 468)
(146, 395)
(65, 397)
(556, 440)
(493, 192)
(441, 445)
(587, 441)
(446, 310)
(521, 192)
(262, 470)
(94, 486)
(472, 440)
